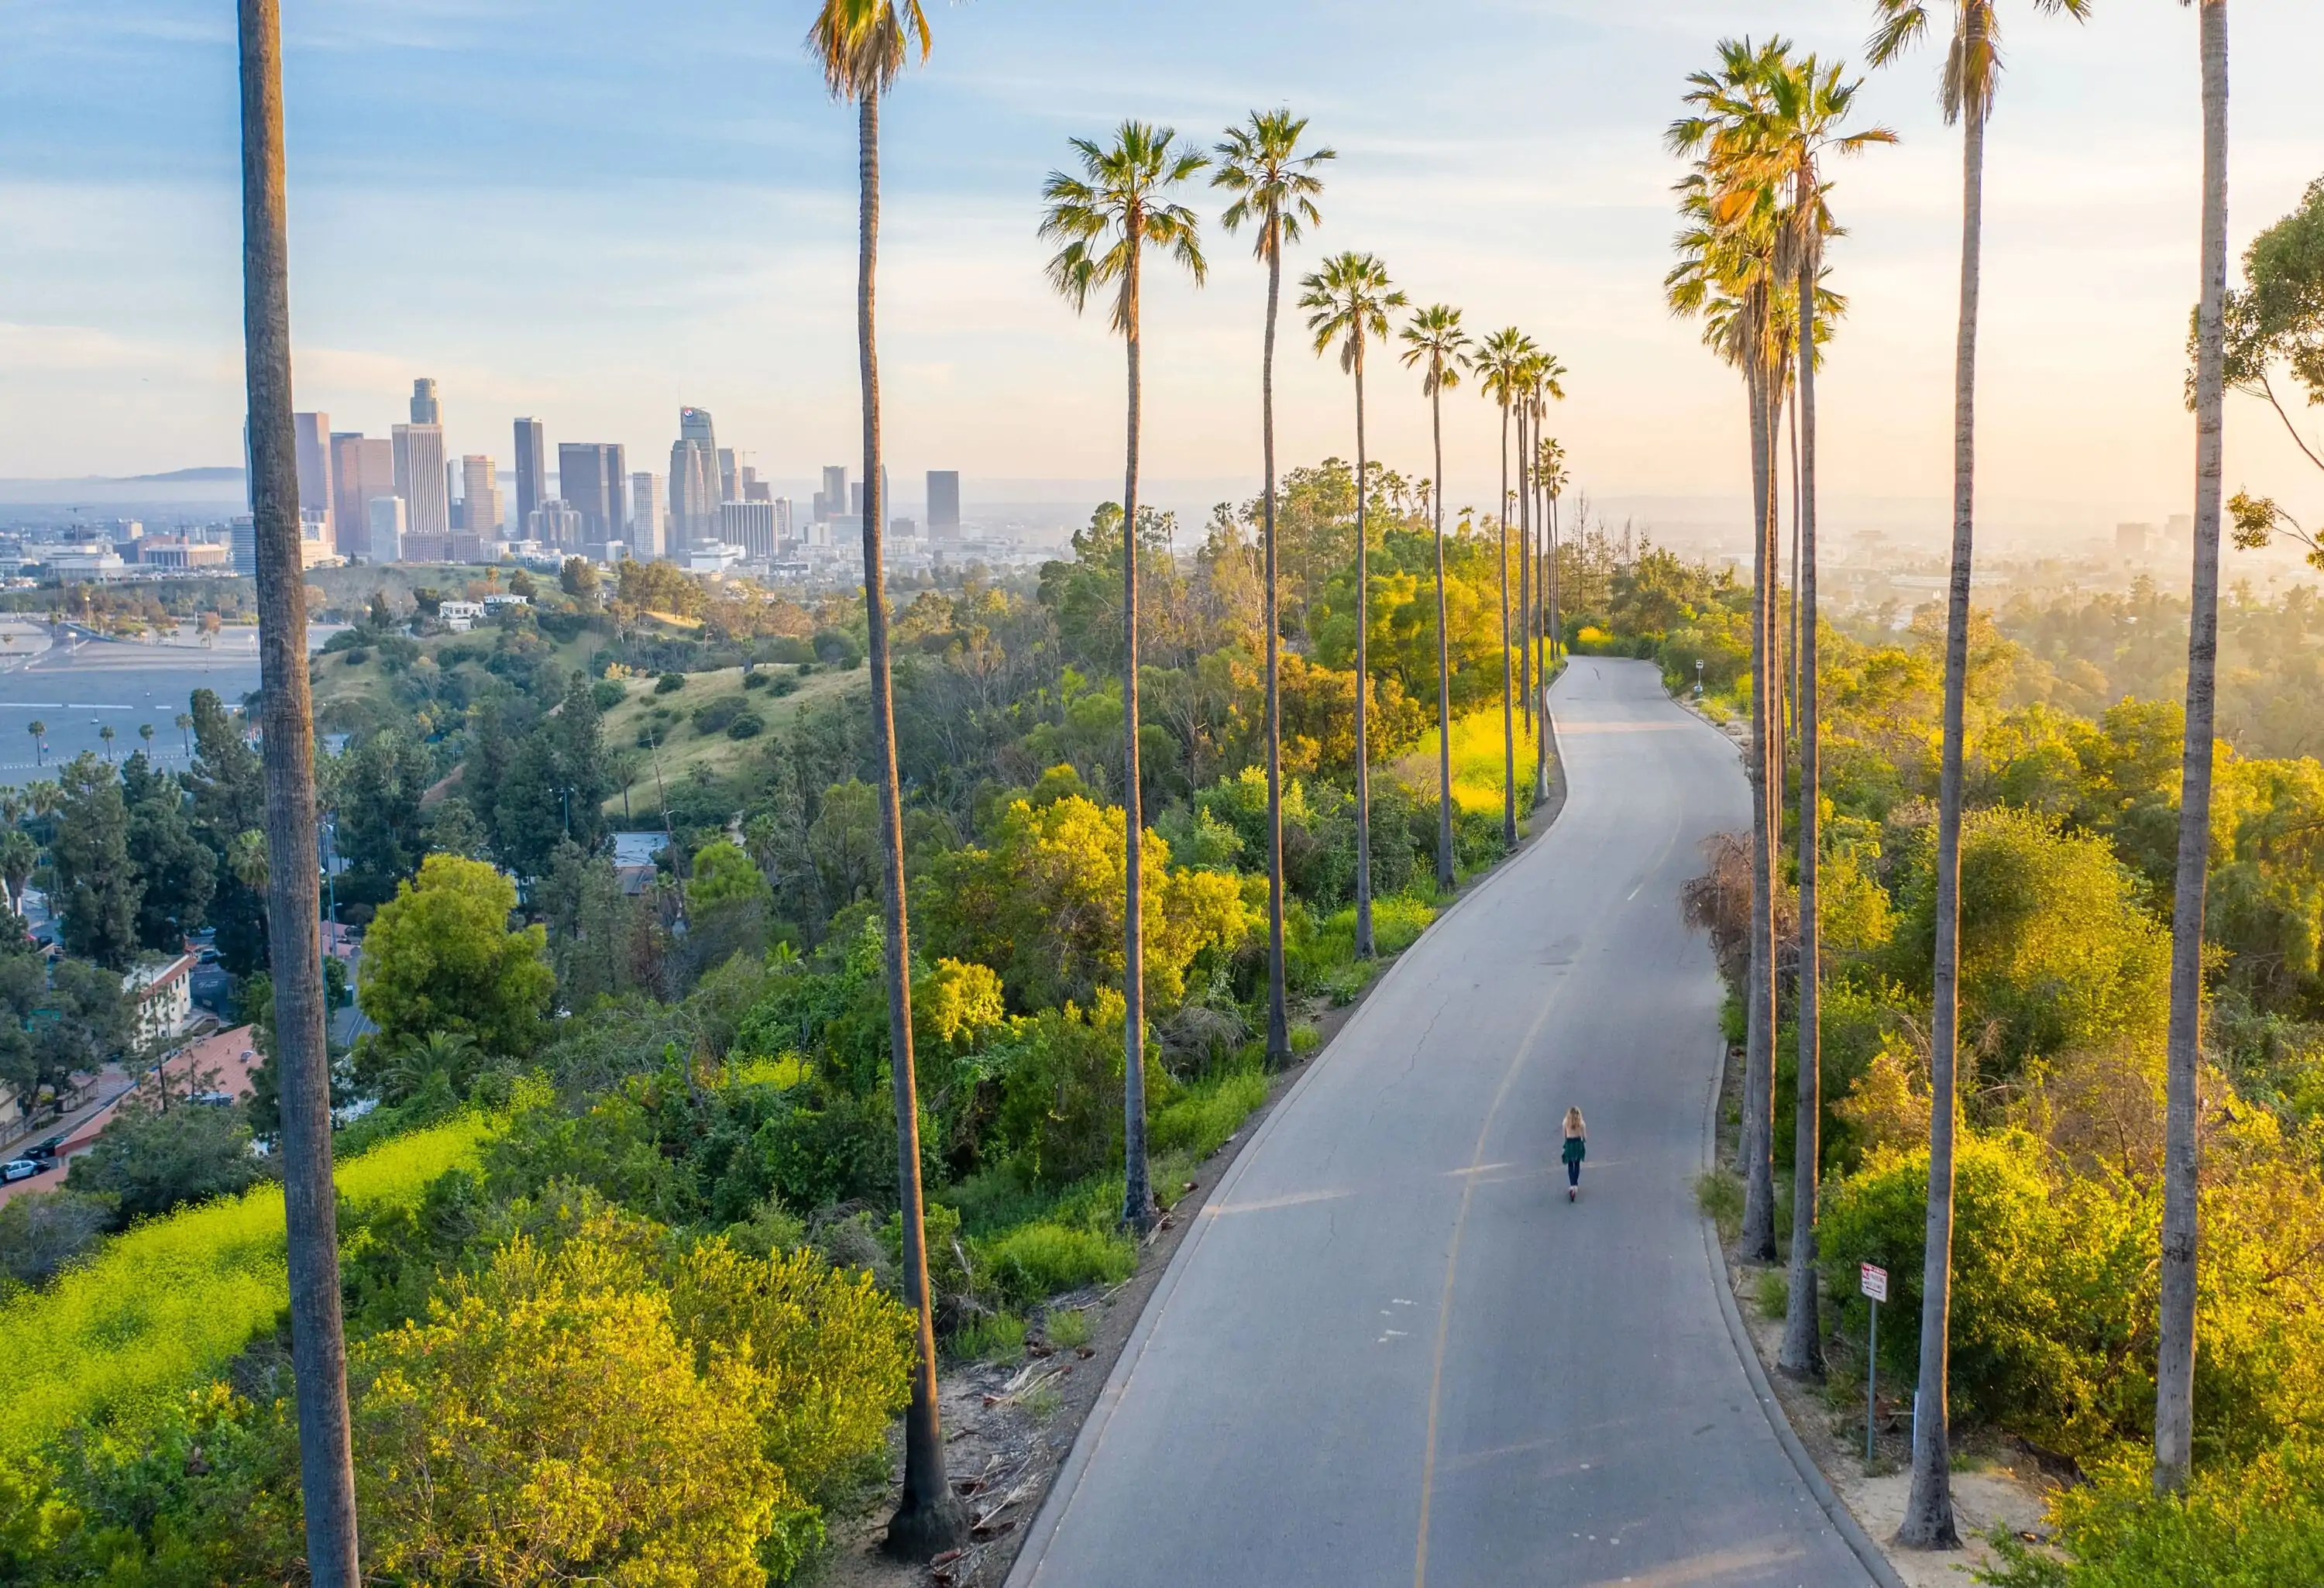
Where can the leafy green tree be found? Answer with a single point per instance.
(176, 874)
(19, 858)
(229, 800)
(97, 890)
(149, 1161)
(1275, 185)
(1435, 342)
(439, 956)
(379, 785)
(43, 1232)
(1042, 903)
(1972, 71)
(1106, 219)
(556, 786)
(548, 1421)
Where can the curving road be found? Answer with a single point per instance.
(1392, 1353)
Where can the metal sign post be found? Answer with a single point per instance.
(1873, 1283)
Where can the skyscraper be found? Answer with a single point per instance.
(424, 408)
(362, 467)
(592, 477)
(694, 484)
(531, 469)
(730, 480)
(421, 481)
(750, 525)
(385, 516)
(944, 503)
(311, 436)
(480, 485)
(648, 506)
(834, 495)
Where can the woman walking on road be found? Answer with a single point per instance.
(1577, 1146)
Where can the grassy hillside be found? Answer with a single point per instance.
(175, 1297)
(648, 726)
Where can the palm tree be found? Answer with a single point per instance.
(1807, 104)
(1435, 342)
(1727, 275)
(863, 46)
(294, 900)
(1972, 70)
(1106, 219)
(145, 732)
(2174, 1373)
(1544, 470)
(18, 857)
(105, 732)
(1501, 365)
(1275, 185)
(185, 726)
(1349, 301)
(39, 732)
(445, 1055)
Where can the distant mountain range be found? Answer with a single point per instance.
(184, 475)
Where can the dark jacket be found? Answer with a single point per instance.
(1576, 1146)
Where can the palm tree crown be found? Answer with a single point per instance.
(1273, 183)
(1113, 208)
(864, 45)
(1436, 344)
(1973, 57)
(1348, 302)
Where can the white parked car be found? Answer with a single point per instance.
(21, 1168)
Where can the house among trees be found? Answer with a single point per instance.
(161, 994)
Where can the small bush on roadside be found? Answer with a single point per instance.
(1029, 1264)
(1068, 1329)
(999, 1338)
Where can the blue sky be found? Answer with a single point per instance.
(594, 210)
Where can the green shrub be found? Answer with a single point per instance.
(669, 683)
(997, 1338)
(2052, 1324)
(1720, 1195)
(1035, 1261)
(1775, 1293)
(1200, 1118)
(1397, 921)
(747, 725)
(608, 693)
(713, 716)
(2256, 1525)
(1068, 1328)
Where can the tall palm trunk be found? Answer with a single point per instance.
(1444, 670)
(1757, 1135)
(2174, 1397)
(1803, 1349)
(293, 893)
(1791, 702)
(1525, 566)
(1929, 1510)
(1508, 700)
(1545, 591)
(1137, 1196)
(927, 1518)
(1365, 947)
(1279, 1027)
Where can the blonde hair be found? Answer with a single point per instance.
(1573, 1125)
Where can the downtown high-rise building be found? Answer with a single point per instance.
(310, 436)
(531, 468)
(694, 486)
(730, 478)
(362, 470)
(593, 476)
(649, 513)
(944, 504)
(750, 525)
(832, 500)
(421, 481)
(480, 488)
(385, 516)
(424, 408)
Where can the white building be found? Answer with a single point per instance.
(387, 528)
(163, 997)
(460, 616)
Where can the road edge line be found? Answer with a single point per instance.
(1835, 1510)
(1032, 1550)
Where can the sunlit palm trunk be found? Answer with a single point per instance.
(2175, 1400)
(927, 1518)
(1443, 670)
(1928, 1510)
(1365, 947)
(294, 889)
(1525, 566)
(1137, 1196)
(1278, 1029)
(1803, 1349)
(1509, 722)
(1756, 1141)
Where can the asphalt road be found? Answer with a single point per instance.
(1393, 1354)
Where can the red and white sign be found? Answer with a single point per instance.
(1875, 1282)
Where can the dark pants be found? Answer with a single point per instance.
(1573, 1171)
